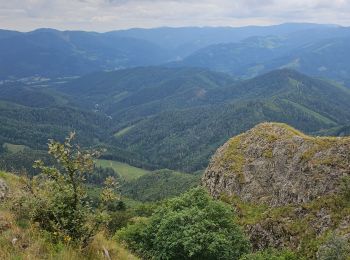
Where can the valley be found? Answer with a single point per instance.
(175, 143)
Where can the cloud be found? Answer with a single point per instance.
(105, 15)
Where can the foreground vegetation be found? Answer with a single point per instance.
(21, 238)
(57, 214)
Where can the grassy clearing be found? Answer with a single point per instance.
(123, 131)
(14, 148)
(126, 171)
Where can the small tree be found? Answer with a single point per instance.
(192, 226)
(60, 203)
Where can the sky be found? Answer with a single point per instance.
(107, 15)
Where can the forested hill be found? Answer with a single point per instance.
(132, 94)
(191, 135)
(30, 115)
(160, 117)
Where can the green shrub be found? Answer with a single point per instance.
(192, 226)
(57, 199)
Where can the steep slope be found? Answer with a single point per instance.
(192, 135)
(276, 165)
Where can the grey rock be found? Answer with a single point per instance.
(276, 165)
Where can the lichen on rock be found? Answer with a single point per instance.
(277, 165)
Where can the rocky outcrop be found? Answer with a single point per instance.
(3, 189)
(276, 165)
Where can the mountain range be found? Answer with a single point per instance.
(244, 52)
(307, 52)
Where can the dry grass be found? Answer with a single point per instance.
(29, 243)
(20, 239)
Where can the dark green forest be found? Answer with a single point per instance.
(186, 115)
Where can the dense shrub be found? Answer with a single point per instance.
(192, 226)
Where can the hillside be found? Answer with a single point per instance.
(32, 112)
(156, 117)
(136, 93)
(290, 189)
(193, 134)
(33, 126)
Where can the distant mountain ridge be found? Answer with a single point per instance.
(52, 53)
(316, 52)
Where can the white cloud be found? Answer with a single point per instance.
(104, 15)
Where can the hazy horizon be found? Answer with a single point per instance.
(172, 27)
(109, 15)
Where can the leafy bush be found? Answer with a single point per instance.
(58, 199)
(192, 226)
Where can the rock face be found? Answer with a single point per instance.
(277, 165)
(3, 189)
